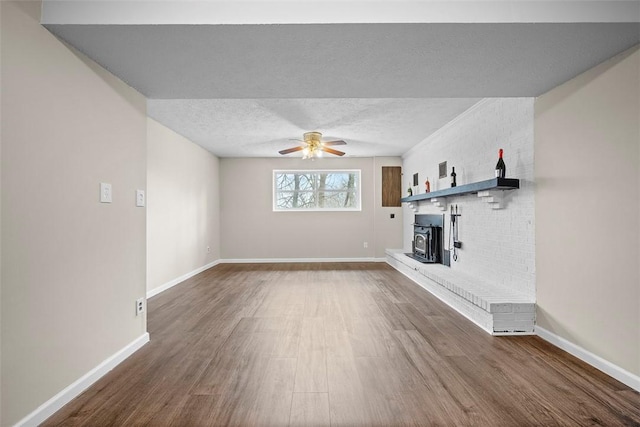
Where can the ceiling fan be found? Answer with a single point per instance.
(315, 146)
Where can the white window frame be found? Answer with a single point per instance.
(358, 189)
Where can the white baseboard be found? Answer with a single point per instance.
(288, 260)
(596, 361)
(172, 283)
(54, 404)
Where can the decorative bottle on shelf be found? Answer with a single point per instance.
(500, 167)
(427, 186)
(453, 177)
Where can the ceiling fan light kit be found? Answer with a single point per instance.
(315, 146)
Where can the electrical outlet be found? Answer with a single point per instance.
(139, 306)
(208, 249)
(105, 192)
(140, 199)
(366, 245)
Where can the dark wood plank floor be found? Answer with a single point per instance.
(341, 345)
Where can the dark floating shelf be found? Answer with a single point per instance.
(490, 184)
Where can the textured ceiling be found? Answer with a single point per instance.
(262, 127)
(243, 90)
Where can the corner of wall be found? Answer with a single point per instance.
(499, 244)
(60, 245)
(584, 295)
(183, 213)
(387, 231)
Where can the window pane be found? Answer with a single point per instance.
(338, 181)
(284, 200)
(338, 200)
(285, 181)
(295, 200)
(295, 181)
(307, 181)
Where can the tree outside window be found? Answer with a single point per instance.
(334, 190)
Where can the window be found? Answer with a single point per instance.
(329, 190)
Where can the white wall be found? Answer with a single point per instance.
(498, 245)
(72, 267)
(588, 210)
(182, 207)
(251, 230)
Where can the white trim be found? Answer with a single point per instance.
(289, 260)
(220, 12)
(54, 404)
(463, 300)
(441, 297)
(155, 291)
(594, 360)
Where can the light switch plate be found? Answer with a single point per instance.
(140, 198)
(105, 192)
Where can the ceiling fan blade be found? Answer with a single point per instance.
(291, 150)
(332, 151)
(338, 142)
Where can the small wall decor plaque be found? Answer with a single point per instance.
(442, 169)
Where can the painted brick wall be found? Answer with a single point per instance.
(498, 245)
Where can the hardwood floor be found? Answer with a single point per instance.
(349, 344)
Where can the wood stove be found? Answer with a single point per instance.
(428, 238)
